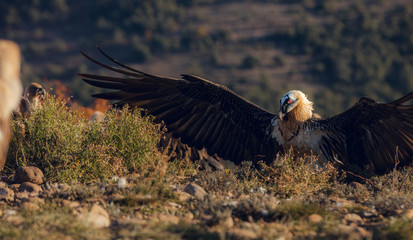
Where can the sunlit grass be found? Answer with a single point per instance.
(69, 148)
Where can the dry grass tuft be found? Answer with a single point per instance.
(292, 175)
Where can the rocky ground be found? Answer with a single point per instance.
(207, 205)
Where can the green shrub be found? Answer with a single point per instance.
(67, 147)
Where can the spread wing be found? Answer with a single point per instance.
(201, 113)
(371, 134)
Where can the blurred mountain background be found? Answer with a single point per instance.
(335, 51)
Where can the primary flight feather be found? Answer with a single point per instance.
(207, 115)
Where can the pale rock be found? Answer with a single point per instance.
(63, 187)
(96, 217)
(30, 187)
(242, 234)
(228, 222)
(15, 186)
(168, 218)
(188, 217)
(358, 186)
(29, 174)
(315, 218)
(352, 218)
(409, 214)
(67, 203)
(24, 196)
(195, 190)
(30, 206)
(6, 194)
(183, 196)
(122, 183)
(398, 211)
(14, 219)
(36, 200)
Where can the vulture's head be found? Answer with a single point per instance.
(295, 103)
(35, 93)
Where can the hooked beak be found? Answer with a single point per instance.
(283, 111)
(281, 115)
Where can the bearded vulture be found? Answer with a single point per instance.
(10, 91)
(206, 115)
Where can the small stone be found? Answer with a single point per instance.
(97, 217)
(63, 187)
(36, 200)
(24, 196)
(242, 234)
(14, 219)
(15, 187)
(168, 218)
(364, 233)
(30, 206)
(188, 217)
(195, 190)
(398, 211)
(67, 203)
(358, 186)
(122, 183)
(352, 218)
(183, 196)
(6, 194)
(409, 214)
(30, 187)
(29, 174)
(228, 222)
(315, 218)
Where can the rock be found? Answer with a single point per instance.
(6, 194)
(15, 187)
(195, 190)
(183, 196)
(358, 186)
(398, 211)
(29, 174)
(168, 218)
(315, 218)
(352, 218)
(14, 219)
(96, 217)
(242, 234)
(30, 206)
(228, 222)
(122, 183)
(23, 196)
(188, 217)
(67, 203)
(30, 187)
(409, 214)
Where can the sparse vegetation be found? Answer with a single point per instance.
(70, 148)
(287, 198)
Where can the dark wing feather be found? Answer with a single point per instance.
(371, 134)
(201, 113)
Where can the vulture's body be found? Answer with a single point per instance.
(206, 115)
